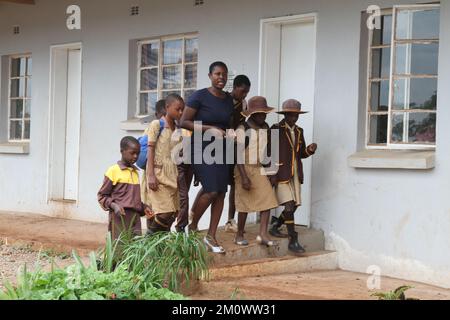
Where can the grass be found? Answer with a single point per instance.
(397, 294)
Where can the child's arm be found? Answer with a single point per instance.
(246, 183)
(151, 177)
(105, 200)
(306, 151)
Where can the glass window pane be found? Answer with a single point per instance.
(26, 134)
(378, 129)
(16, 109)
(18, 67)
(147, 103)
(417, 59)
(190, 76)
(17, 88)
(29, 66)
(166, 93)
(173, 50)
(415, 93)
(383, 36)
(28, 83)
(27, 108)
(172, 77)
(381, 63)
(379, 99)
(418, 24)
(421, 127)
(191, 50)
(15, 130)
(149, 79)
(187, 94)
(149, 54)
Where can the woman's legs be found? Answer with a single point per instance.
(217, 200)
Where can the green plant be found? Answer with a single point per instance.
(397, 294)
(167, 259)
(50, 253)
(237, 295)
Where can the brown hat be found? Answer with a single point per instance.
(292, 106)
(257, 105)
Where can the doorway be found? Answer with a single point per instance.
(287, 71)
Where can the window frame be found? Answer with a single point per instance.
(25, 98)
(393, 42)
(160, 90)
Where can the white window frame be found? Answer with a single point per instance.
(160, 66)
(390, 111)
(25, 98)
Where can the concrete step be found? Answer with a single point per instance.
(312, 240)
(315, 261)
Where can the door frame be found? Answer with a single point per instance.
(51, 118)
(292, 19)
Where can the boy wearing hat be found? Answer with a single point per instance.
(289, 177)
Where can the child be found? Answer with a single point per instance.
(241, 88)
(289, 178)
(161, 170)
(120, 192)
(254, 192)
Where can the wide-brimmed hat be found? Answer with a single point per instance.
(257, 105)
(292, 106)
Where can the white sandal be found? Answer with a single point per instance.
(213, 248)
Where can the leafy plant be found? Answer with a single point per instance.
(237, 295)
(397, 294)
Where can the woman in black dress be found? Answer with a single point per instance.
(214, 108)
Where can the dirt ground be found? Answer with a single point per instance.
(326, 285)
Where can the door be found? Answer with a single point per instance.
(65, 122)
(287, 72)
(72, 124)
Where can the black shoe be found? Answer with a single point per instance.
(275, 232)
(294, 246)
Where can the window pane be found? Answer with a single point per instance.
(381, 63)
(173, 50)
(190, 76)
(417, 59)
(15, 130)
(29, 66)
(378, 129)
(191, 50)
(27, 108)
(147, 103)
(18, 67)
(383, 36)
(418, 24)
(421, 127)
(16, 110)
(149, 79)
(379, 100)
(17, 88)
(26, 134)
(166, 93)
(28, 82)
(420, 93)
(172, 77)
(149, 54)
(187, 94)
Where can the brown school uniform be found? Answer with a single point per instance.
(121, 186)
(290, 174)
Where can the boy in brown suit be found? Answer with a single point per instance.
(289, 177)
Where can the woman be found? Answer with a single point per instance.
(214, 108)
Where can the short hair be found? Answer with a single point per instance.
(217, 64)
(172, 98)
(126, 142)
(241, 80)
(160, 106)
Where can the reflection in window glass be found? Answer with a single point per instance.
(383, 36)
(148, 102)
(418, 128)
(378, 129)
(18, 67)
(418, 24)
(149, 79)
(166, 93)
(173, 52)
(415, 93)
(379, 96)
(191, 50)
(190, 76)
(15, 130)
(417, 59)
(172, 77)
(16, 109)
(381, 63)
(149, 56)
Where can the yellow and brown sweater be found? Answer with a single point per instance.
(121, 186)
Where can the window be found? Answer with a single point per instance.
(19, 100)
(166, 65)
(402, 79)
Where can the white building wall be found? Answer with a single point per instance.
(398, 220)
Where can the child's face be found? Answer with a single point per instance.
(259, 118)
(291, 118)
(130, 154)
(240, 93)
(175, 109)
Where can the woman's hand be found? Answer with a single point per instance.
(152, 182)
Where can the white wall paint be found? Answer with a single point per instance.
(389, 218)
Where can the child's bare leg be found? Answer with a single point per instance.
(242, 219)
(264, 224)
(231, 204)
